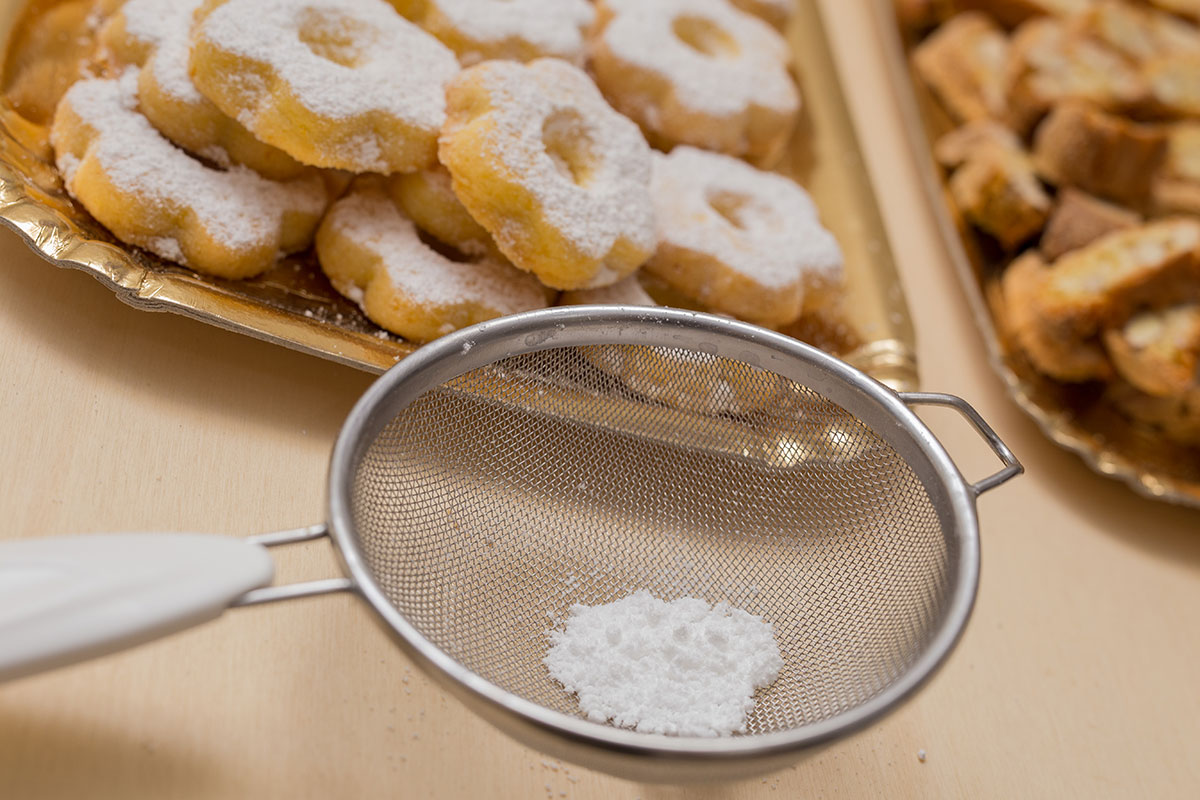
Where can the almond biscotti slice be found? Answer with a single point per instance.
(1057, 313)
(1137, 32)
(1014, 12)
(997, 190)
(1054, 350)
(1188, 9)
(1173, 84)
(1183, 151)
(1176, 417)
(1176, 187)
(1158, 350)
(1170, 196)
(963, 63)
(993, 182)
(1078, 219)
(1049, 62)
(1106, 282)
(957, 146)
(1079, 145)
(918, 16)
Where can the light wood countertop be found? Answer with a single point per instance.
(1077, 675)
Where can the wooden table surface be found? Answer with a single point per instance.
(1077, 675)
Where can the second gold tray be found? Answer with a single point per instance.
(1078, 418)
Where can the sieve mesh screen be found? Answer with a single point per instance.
(491, 503)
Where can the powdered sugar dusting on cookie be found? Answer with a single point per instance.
(421, 274)
(611, 201)
(238, 208)
(626, 292)
(169, 62)
(551, 27)
(167, 247)
(150, 22)
(758, 223)
(820, 255)
(67, 164)
(733, 60)
(170, 100)
(372, 61)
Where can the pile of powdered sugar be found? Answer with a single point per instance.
(684, 667)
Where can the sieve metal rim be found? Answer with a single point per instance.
(544, 329)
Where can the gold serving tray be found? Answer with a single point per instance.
(1078, 418)
(293, 304)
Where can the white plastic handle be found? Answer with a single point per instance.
(70, 598)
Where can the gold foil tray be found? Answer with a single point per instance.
(1079, 418)
(293, 305)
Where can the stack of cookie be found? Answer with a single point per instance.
(456, 160)
(1078, 155)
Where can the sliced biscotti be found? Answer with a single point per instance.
(1183, 152)
(1014, 12)
(918, 16)
(1137, 32)
(1176, 187)
(1173, 85)
(1080, 145)
(1162, 47)
(1052, 349)
(993, 182)
(1189, 9)
(1056, 313)
(1050, 62)
(1176, 417)
(1176, 197)
(963, 62)
(957, 146)
(1078, 219)
(1158, 350)
(1104, 283)
(996, 189)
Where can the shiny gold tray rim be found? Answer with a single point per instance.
(60, 239)
(1054, 423)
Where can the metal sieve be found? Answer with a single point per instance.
(574, 455)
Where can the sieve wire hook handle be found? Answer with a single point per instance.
(1012, 467)
(289, 591)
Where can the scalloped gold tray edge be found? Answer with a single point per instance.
(56, 238)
